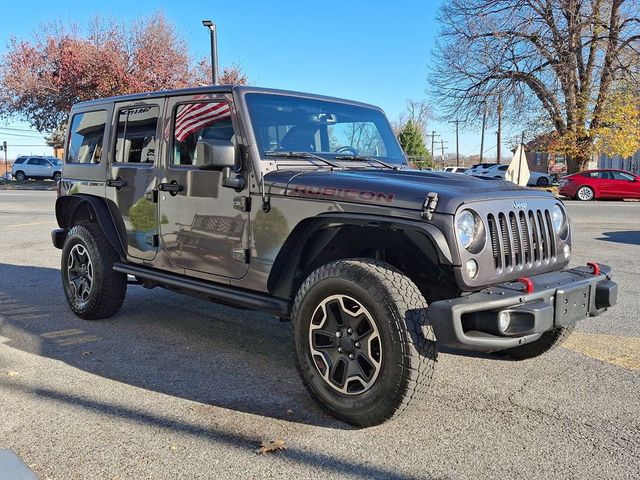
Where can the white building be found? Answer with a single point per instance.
(631, 164)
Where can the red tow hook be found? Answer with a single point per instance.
(595, 266)
(528, 284)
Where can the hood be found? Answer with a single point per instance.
(405, 189)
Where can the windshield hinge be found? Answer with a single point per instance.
(430, 204)
(266, 201)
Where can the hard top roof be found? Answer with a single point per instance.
(212, 89)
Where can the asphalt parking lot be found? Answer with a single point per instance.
(174, 387)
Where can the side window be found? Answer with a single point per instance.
(195, 121)
(622, 176)
(86, 137)
(503, 168)
(594, 175)
(19, 160)
(136, 135)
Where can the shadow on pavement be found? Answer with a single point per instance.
(163, 342)
(629, 237)
(324, 461)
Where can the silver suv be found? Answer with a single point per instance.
(36, 167)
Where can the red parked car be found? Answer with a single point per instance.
(595, 184)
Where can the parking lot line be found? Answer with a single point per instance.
(620, 351)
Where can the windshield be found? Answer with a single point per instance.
(283, 123)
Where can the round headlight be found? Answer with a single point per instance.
(558, 218)
(467, 228)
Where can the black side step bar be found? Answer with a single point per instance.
(224, 294)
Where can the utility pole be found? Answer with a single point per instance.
(457, 122)
(442, 142)
(499, 132)
(214, 50)
(484, 122)
(433, 141)
(6, 162)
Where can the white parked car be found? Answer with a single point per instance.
(455, 169)
(498, 171)
(36, 167)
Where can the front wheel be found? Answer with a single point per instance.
(92, 288)
(585, 194)
(364, 346)
(543, 182)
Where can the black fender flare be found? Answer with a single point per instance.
(282, 274)
(103, 212)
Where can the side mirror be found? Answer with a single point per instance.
(219, 155)
(215, 154)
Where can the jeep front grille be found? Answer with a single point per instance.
(521, 239)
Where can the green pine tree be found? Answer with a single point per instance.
(412, 142)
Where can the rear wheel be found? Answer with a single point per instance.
(585, 193)
(92, 288)
(548, 341)
(20, 176)
(365, 349)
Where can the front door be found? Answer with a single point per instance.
(625, 185)
(132, 173)
(200, 229)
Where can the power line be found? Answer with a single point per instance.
(19, 129)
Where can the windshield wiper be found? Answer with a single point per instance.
(307, 155)
(366, 159)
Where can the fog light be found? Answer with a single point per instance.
(471, 268)
(504, 321)
(566, 250)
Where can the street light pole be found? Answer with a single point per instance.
(214, 50)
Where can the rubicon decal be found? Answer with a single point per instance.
(343, 193)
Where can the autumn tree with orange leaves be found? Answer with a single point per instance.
(62, 65)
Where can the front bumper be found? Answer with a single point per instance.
(558, 299)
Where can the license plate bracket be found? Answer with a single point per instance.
(572, 304)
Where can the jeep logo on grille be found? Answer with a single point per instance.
(518, 205)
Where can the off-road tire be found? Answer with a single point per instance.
(548, 341)
(20, 176)
(108, 288)
(409, 348)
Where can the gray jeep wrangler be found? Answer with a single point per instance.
(304, 207)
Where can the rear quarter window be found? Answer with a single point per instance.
(19, 160)
(86, 137)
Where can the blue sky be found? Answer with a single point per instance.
(373, 51)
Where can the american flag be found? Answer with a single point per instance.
(195, 116)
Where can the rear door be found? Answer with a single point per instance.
(603, 182)
(131, 173)
(85, 158)
(33, 167)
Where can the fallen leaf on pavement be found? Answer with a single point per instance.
(269, 446)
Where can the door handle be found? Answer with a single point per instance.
(173, 188)
(117, 183)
